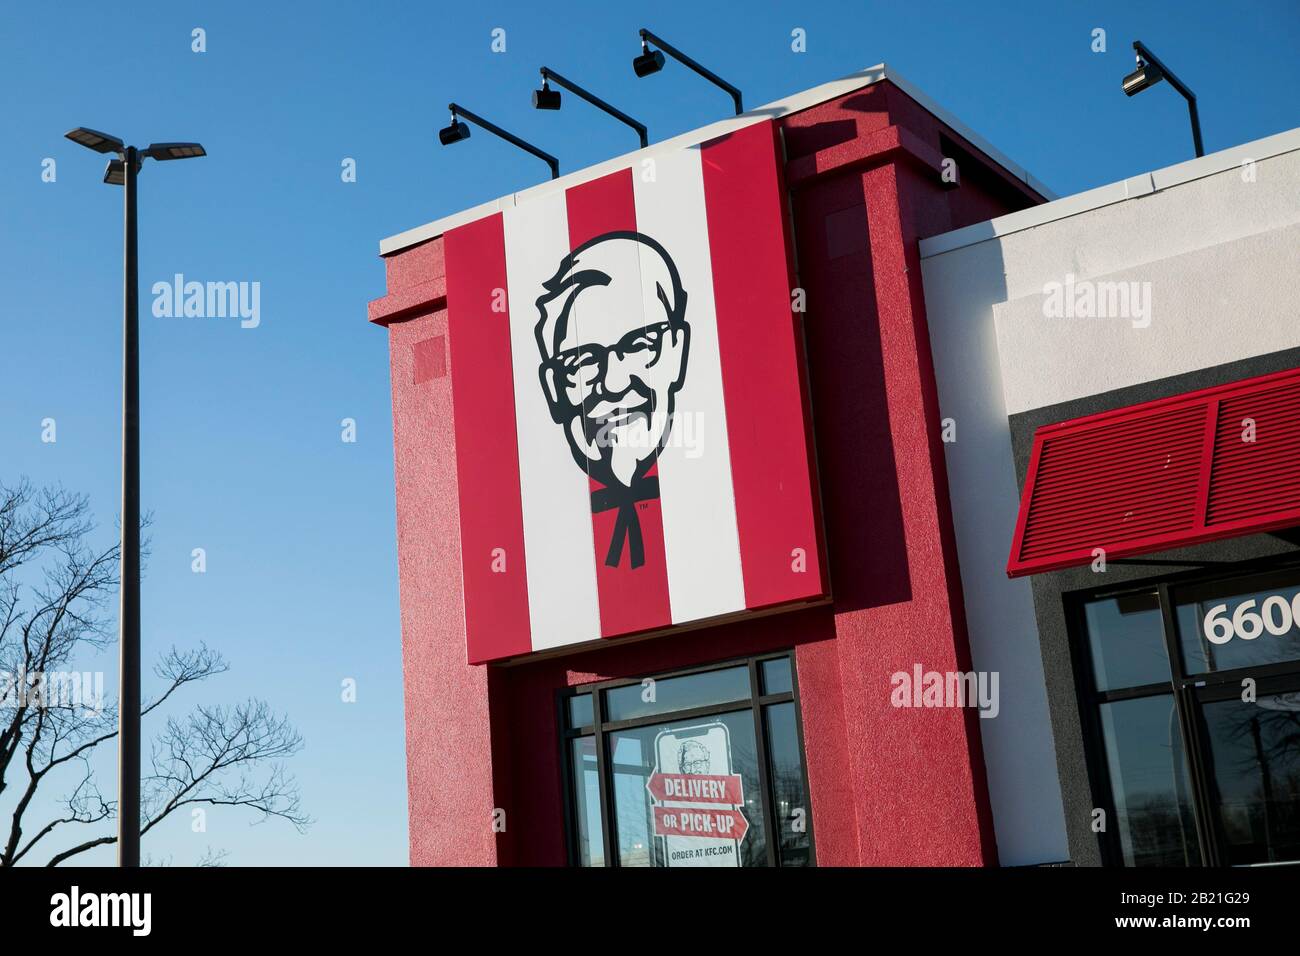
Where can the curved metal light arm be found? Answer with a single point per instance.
(596, 101)
(1181, 87)
(508, 137)
(704, 71)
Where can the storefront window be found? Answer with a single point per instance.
(1239, 622)
(1127, 640)
(1255, 751)
(776, 676)
(1193, 702)
(586, 809)
(1149, 781)
(580, 712)
(721, 745)
(788, 791)
(677, 693)
(698, 769)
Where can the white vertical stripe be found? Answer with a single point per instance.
(699, 510)
(563, 604)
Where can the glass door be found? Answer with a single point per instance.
(1251, 752)
(1189, 691)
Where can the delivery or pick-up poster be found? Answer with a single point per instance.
(697, 800)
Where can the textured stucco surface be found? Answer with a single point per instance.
(1222, 259)
(449, 743)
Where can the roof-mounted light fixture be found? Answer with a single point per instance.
(549, 99)
(1151, 71)
(458, 131)
(652, 61)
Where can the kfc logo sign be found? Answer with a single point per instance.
(610, 382)
(630, 416)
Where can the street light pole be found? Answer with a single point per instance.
(128, 752)
(122, 172)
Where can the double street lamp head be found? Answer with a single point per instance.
(167, 151)
(115, 172)
(94, 139)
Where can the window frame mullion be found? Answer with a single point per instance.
(764, 770)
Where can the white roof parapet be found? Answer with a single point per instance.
(1125, 189)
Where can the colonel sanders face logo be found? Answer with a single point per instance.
(613, 340)
(693, 757)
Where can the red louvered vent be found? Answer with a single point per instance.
(1198, 467)
(1256, 456)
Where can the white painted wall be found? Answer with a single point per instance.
(1018, 749)
(1221, 255)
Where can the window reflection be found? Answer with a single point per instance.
(776, 676)
(789, 795)
(586, 791)
(1256, 758)
(580, 711)
(1222, 624)
(677, 693)
(1240, 778)
(1126, 637)
(1149, 782)
(632, 765)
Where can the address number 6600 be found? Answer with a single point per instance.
(1276, 615)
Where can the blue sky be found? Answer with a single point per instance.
(242, 453)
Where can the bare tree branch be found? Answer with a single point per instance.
(55, 592)
(194, 760)
(82, 848)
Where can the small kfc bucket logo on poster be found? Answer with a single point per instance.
(696, 798)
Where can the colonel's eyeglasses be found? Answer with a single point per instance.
(593, 358)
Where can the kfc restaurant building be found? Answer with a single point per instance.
(674, 516)
(725, 467)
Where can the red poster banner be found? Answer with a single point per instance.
(696, 787)
(719, 824)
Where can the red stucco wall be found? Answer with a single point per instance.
(888, 786)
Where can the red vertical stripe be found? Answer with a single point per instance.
(631, 599)
(600, 205)
(487, 449)
(759, 337)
